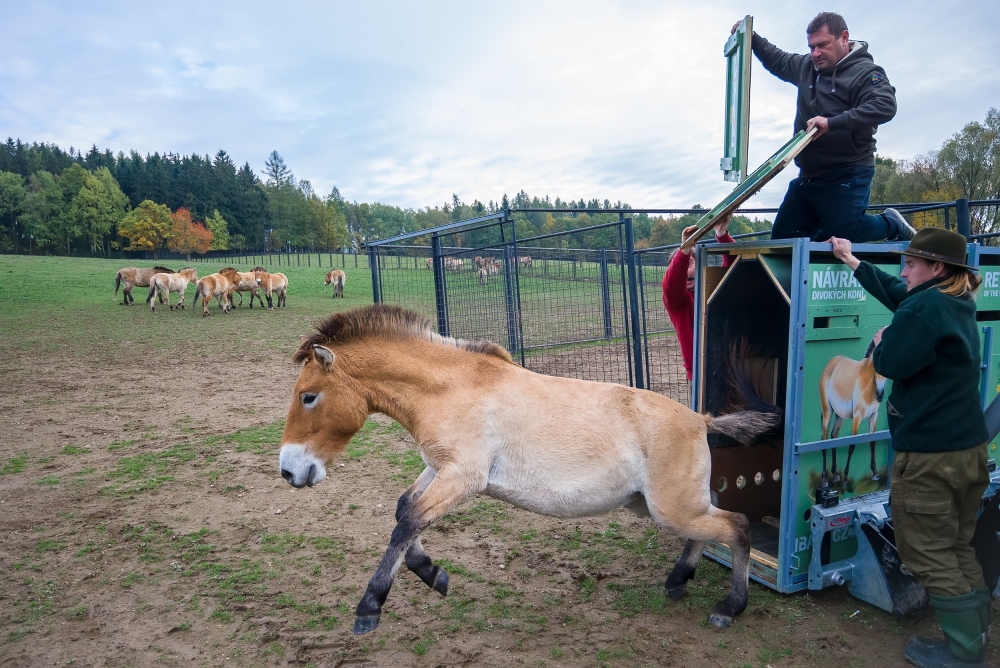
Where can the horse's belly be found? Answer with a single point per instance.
(566, 496)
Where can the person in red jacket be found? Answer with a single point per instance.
(678, 290)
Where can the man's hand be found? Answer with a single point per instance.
(735, 26)
(723, 227)
(878, 336)
(820, 123)
(842, 251)
(685, 234)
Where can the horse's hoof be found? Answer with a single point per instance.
(720, 621)
(441, 582)
(676, 593)
(363, 625)
(876, 477)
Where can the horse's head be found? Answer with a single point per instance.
(259, 273)
(328, 275)
(189, 273)
(326, 411)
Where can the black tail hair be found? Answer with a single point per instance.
(746, 388)
(118, 282)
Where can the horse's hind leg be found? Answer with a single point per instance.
(676, 583)
(417, 561)
(448, 488)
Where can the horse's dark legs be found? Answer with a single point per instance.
(875, 475)
(726, 611)
(270, 304)
(417, 561)
(446, 490)
(847, 466)
(825, 479)
(676, 583)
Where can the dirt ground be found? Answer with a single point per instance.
(207, 557)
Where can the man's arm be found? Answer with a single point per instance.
(884, 287)
(875, 104)
(786, 66)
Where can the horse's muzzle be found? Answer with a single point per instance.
(299, 467)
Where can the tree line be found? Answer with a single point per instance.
(99, 203)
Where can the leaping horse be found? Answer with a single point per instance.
(850, 389)
(556, 446)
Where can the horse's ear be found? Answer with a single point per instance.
(323, 356)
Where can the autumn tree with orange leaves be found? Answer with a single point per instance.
(186, 235)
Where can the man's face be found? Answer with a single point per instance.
(690, 275)
(827, 50)
(917, 271)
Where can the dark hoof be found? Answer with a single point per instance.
(720, 621)
(875, 477)
(676, 593)
(363, 625)
(441, 582)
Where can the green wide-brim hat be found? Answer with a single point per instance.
(938, 245)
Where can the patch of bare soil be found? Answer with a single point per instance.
(144, 523)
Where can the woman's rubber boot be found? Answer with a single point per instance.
(965, 625)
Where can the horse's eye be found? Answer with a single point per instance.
(309, 399)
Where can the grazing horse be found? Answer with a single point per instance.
(524, 260)
(164, 284)
(242, 281)
(130, 277)
(214, 285)
(850, 389)
(556, 446)
(336, 278)
(277, 283)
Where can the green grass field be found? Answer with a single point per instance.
(51, 303)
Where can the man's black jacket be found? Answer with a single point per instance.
(855, 95)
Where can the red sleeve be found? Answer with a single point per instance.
(726, 238)
(675, 282)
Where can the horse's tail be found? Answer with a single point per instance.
(197, 296)
(152, 292)
(745, 426)
(118, 283)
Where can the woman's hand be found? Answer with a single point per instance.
(685, 234)
(878, 336)
(842, 251)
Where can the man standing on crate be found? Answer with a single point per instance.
(678, 289)
(844, 96)
(930, 351)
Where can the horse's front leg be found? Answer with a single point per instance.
(448, 488)
(871, 430)
(417, 560)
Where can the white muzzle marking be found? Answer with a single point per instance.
(299, 467)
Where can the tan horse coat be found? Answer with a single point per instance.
(164, 284)
(242, 281)
(336, 278)
(130, 277)
(555, 446)
(214, 285)
(272, 283)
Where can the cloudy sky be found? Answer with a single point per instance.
(409, 102)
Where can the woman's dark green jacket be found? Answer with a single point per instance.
(930, 351)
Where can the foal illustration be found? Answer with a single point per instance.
(850, 389)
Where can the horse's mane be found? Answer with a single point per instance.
(386, 322)
(871, 348)
(163, 270)
(259, 268)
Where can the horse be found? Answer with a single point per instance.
(242, 281)
(430, 263)
(272, 283)
(556, 446)
(524, 260)
(214, 285)
(164, 284)
(131, 277)
(850, 389)
(336, 278)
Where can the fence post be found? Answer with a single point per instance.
(376, 279)
(964, 224)
(510, 263)
(633, 294)
(605, 293)
(440, 291)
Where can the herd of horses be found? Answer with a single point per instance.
(485, 266)
(222, 286)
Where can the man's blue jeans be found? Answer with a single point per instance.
(831, 205)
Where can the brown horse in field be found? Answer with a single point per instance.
(242, 281)
(556, 446)
(164, 284)
(850, 389)
(272, 283)
(336, 278)
(214, 285)
(130, 277)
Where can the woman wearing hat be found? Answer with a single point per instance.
(930, 351)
